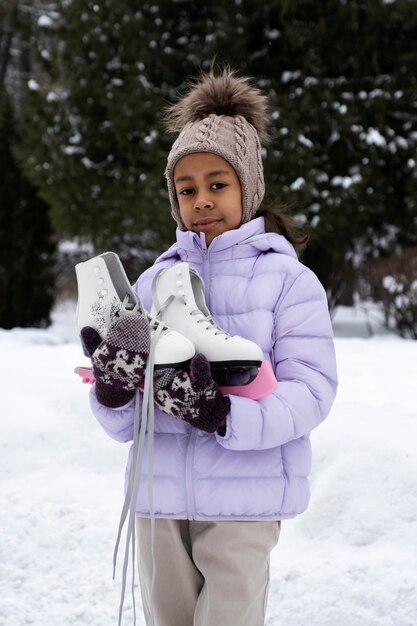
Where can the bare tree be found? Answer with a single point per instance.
(23, 44)
(8, 27)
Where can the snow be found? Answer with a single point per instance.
(75, 246)
(70, 150)
(350, 559)
(374, 137)
(287, 76)
(297, 184)
(45, 21)
(273, 33)
(52, 96)
(345, 181)
(390, 284)
(310, 81)
(305, 141)
(150, 138)
(33, 85)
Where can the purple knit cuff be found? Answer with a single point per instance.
(113, 396)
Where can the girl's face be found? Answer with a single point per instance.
(209, 194)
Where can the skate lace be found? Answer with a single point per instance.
(203, 319)
(125, 310)
(210, 323)
(143, 422)
(155, 323)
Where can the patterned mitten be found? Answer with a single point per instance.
(196, 399)
(119, 361)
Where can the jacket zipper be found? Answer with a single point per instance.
(189, 461)
(189, 474)
(206, 274)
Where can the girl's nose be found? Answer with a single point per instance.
(203, 203)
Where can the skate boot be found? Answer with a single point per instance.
(104, 293)
(178, 300)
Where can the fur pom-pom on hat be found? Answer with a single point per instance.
(222, 95)
(224, 115)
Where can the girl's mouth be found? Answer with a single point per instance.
(205, 226)
(206, 223)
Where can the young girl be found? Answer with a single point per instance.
(223, 484)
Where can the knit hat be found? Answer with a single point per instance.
(226, 116)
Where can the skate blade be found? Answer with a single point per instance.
(229, 373)
(263, 384)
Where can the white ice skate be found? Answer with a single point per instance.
(104, 293)
(178, 300)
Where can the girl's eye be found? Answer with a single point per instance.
(190, 190)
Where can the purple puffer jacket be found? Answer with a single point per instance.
(256, 288)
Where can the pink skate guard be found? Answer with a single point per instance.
(264, 384)
(86, 373)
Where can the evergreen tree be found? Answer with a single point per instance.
(342, 80)
(26, 247)
(93, 140)
(342, 77)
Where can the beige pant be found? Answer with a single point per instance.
(207, 573)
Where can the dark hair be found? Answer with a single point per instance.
(279, 218)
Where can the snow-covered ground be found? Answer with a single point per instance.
(350, 560)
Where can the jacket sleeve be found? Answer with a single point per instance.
(305, 366)
(117, 423)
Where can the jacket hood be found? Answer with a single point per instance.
(250, 238)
